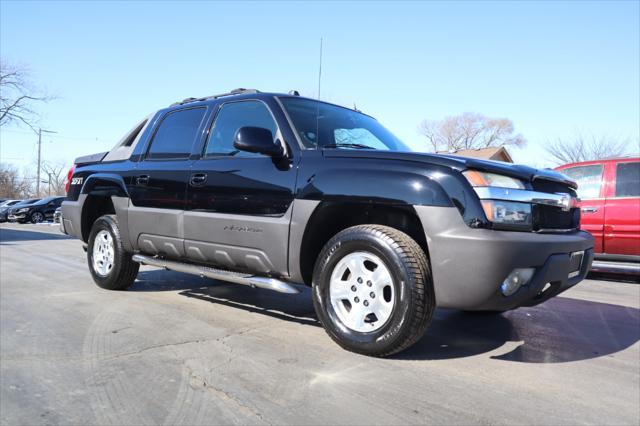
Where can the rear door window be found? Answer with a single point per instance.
(175, 135)
(628, 179)
(589, 179)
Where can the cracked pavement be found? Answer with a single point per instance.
(179, 349)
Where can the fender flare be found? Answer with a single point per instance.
(105, 184)
(112, 187)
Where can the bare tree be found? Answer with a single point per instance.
(582, 147)
(12, 184)
(430, 129)
(469, 131)
(55, 174)
(18, 96)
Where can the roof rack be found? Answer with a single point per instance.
(239, 91)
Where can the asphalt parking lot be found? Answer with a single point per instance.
(177, 349)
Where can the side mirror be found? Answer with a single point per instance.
(258, 140)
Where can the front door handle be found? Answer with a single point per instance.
(589, 210)
(198, 179)
(142, 180)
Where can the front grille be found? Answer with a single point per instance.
(549, 218)
(552, 187)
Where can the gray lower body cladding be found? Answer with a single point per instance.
(71, 223)
(259, 244)
(71, 220)
(469, 265)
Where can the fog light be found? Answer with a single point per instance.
(516, 279)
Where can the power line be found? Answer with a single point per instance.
(58, 136)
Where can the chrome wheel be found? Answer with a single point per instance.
(361, 291)
(37, 217)
(103, 253)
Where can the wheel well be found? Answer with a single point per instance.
(330, 218)
(94, 207)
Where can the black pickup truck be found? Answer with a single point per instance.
(273, 190)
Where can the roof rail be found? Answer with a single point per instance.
(239, 91)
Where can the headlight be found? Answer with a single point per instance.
(478, 178)
(507, 212)
(23, 210)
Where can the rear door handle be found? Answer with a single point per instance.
(198, 179)
(589, 210)
(142, 180)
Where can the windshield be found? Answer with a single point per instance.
(326, 126)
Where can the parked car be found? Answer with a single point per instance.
(270, 190)
(4, 208)
(609, 192)
(22, 204)
(35, 212)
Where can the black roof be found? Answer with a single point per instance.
(242, 93)
(239, 91)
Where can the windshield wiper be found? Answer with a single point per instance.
(347, 145)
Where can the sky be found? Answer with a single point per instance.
(554, 68)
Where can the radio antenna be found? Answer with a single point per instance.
(318, 106)
(320, 69)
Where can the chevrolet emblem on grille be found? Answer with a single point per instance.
(567, 202)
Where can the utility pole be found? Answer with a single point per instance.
(39, 158)
(39, 152)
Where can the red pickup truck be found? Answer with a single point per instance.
(609, 192)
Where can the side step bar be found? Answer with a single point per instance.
(624, 268)
(218, 274)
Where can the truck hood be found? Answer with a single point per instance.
(518, 171)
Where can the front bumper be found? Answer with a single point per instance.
(469, 265)
(17, 217)
(548, 281)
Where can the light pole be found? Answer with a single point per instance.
(39, 156)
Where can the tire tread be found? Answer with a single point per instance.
(127, 270)
(415, 260)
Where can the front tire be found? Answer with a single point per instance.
(372, 290)
(110, 265)
(37, 217)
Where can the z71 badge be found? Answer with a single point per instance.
(76, 181)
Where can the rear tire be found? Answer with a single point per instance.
(110, 265)
(372, 290)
